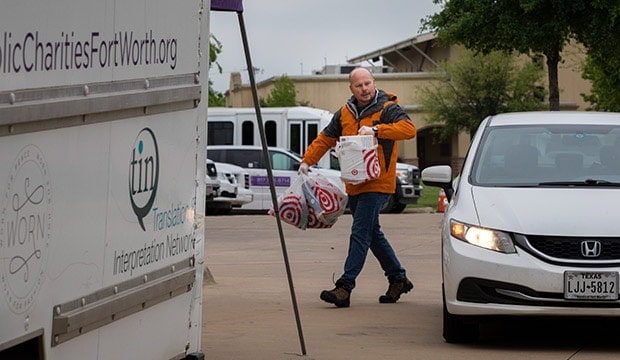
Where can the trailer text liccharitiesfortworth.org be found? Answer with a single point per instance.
(33, 53)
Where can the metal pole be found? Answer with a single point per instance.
(274, 198)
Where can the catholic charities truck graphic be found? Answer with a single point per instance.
(102, 139)
(170, 235)
(143, 174)
(25, 229)
(42, 52)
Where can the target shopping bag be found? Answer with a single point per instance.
(358, 158)
(312, 201)
(325, 200)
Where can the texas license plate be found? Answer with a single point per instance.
(591, 285)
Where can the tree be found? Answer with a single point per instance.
(215, 48)
(599, 33)
(282, 94)
(525, 26)
(605, 77)
(478, 85)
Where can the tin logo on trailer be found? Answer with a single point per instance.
(143, 174)
(25, 229)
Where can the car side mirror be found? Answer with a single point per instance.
(439, 176)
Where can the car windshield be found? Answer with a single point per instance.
(554, 155)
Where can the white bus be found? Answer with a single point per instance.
(293, 129)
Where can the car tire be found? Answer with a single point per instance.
(458, 328)
(392, 206)
(389, 204)
(225, 211)
(398, 208)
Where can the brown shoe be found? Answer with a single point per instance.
(338, 296)
(395, 290)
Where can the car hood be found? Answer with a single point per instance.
(547, 211)
(230, 168)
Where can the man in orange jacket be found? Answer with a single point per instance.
(369, 111)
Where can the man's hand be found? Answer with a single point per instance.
(366, 130)
(303, 168)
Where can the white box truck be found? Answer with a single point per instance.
(102, 131)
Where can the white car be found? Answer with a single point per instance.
(531, 227)
(232, 189)
(223, 187)
(238, 193)
(212, 183)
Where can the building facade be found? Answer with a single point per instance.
(407, 68)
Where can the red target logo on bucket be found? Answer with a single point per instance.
(373, 168)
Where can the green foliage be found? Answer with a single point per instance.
(216, 99)
(215, 48)
(604, 94)
(479, 85)
(600, 35)
(282, 94)
(525, 26)
(540, 26)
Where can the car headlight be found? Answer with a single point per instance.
(403, 175)
(485, 238)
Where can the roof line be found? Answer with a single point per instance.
(395, 47)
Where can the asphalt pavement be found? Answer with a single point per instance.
(248, 310)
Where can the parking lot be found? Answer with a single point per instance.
(248, 312)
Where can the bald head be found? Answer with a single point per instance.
(362, 86)
(359, 72)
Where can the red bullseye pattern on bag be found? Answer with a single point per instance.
(373, 168)
(292, 209)
(314, 221)
(312, 202)
(329, 198)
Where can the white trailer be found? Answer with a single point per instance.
(102, 108)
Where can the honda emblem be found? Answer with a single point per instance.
(591, 248)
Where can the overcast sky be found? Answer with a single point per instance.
(296, 37)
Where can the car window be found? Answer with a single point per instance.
(281, 161)
(240, 157)
(529, 155)
(246, 158)
(253, 158)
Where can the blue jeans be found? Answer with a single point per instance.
(366, 234)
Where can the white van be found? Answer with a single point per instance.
(284, 164)
(295, 128)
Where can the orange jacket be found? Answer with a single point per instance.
(393, 124)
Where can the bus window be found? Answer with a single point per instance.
(247, 133)
(220, 133)
(271, 133)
